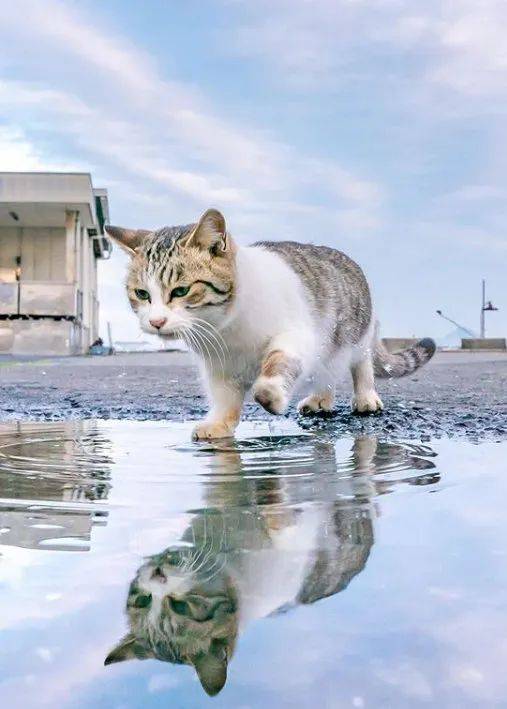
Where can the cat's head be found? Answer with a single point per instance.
(180, 276)
(180, 615)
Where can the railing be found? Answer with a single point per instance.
(40, 298)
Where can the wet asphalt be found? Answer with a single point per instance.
(460, 394)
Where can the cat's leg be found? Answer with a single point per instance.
(323, 389)
(365, 399)
(282, 365)
(320, 400)
(322, 392)
(226, 404)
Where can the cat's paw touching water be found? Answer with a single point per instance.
(207, 431)
(270, 394)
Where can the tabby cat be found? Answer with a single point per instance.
(266, 317)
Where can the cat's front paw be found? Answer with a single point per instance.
(367, 402)
(270, 394)
(208, 430)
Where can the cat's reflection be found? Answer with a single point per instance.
(270, 538)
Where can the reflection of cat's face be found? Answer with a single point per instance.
(182, 609)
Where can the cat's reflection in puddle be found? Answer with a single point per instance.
(265, 543)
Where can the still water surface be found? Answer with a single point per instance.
(284, 569)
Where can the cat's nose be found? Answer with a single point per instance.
(157, 573)
(158, 322)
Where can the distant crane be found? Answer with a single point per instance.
(485, 308)
(461, 327)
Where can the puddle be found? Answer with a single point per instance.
(282, 569)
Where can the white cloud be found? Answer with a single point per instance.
(235, 166)
(459, 46)
(17, 153)
(471, 36)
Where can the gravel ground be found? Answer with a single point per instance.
(457, 394)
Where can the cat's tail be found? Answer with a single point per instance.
(399, 364)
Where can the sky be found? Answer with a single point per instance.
(374, 126)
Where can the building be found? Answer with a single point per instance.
(51, 236)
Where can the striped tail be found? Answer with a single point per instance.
(402, 363)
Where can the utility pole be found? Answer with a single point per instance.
(483, 317)
(484, 308)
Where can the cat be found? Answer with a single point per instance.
(265, 317)
(260, 547)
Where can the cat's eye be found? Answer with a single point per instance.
(143, 600)
(180, 291)
(179, 607)
(142, 294)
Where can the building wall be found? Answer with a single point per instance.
(9, 251)
(40, 251)
(42, 337)
(43, 254)
(46, 262)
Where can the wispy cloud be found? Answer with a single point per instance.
(181, 144)
(460, 46)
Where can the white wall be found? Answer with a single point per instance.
(50, 255)
(43, 254)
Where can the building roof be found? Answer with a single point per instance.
(42, 198)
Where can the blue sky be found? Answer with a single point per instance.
(376, 126)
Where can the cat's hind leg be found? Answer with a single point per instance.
(365, 399)
(322, 392)
(319, 401)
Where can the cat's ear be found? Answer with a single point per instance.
(210, 233)
(128, 239)
(127, 649)
(211, 668)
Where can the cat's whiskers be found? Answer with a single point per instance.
(219, 356)
(192, 342)
(202, 556)
(210, 332)
(203, 337)
(215, 333)
(200, 342)
(204, 551)
(214, 570)
(199, 550)
(204, 341)
(184, 336)
(214, 343)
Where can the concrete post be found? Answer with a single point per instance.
(70, 246)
